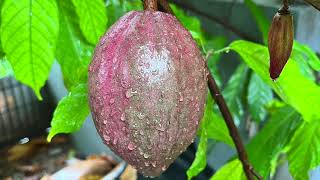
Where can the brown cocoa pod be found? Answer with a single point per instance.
(147, 89)
(280, 41)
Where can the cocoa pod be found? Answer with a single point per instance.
(147, 89)
(280, 42)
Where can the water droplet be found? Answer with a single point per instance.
(131, 146)
(111, 101)
(163, 168)
(161, 128)
(154, 164)
(113, 112)
(130, 93)
(146, 156)
(180, 97)
(140, 115)
(123, 118)
(155, 72)
(115, 141)
(141, 132)
(106, 137)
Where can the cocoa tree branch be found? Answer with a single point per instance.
(233, 131)
(314, 3)
(218, 21)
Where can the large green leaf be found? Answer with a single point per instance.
(212, 126)
(259, 94)
(234, 91)
(73, 53)
(200, 160)
(230, 171)
(302, 62)
(29, 29)
(309, 54)
(304, 152)
(71, 111)
(93, 18)
(293, 87)
(191, 23)
(261, 20)
(271, 140)
(215, 126)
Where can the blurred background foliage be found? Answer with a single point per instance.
(286, 111)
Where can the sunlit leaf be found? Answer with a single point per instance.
(293, 87)
(73, 53)
(71, 111)
(230, 171)
(200, 160)
(29, 30)
(93, 18)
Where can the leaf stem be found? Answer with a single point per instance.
(233, 131)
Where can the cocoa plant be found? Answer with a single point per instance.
(152, 78)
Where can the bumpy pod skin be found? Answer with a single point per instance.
(147, 89)
(280, 42)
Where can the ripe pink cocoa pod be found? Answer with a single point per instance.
(147, 89)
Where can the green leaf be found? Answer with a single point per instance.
(215, 126)
(93, 18)
(293, 87)
(29, 30)
(259, 94)
(200, 160)
(230, 171)
(271, 140)
(304, 151)
(73, 53)
(117, 8)
(211, 43)
(309, 54)
(212, 126)
(234, 91)
(71, 111)
(191, 23)
(5, 68)
(302, 62)
(261, 20)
